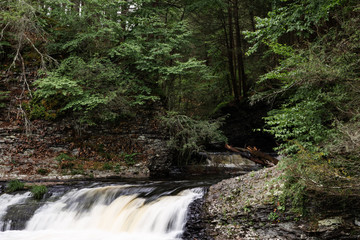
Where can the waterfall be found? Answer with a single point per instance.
(7, 200)
(111, 212)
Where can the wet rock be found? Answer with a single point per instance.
(141, 138)
(5, 168)
(329, 224)
(28, 152)
(195, 227)
(239, 208)
(357, 221)
(75, 152)
(288, 227)
(160, 159)
(58, 149)
(17, 215)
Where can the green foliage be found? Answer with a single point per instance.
(65, 161)
(302, 121)
(111, 67)
(38, 191)
(315, 89)
(117, 168)
(14, 185)
(273, 216)
(188, 136)
(77, 172)
(47, 109)
(301, 17)
(110, 61)
(307, 172)
(4, 95)
(42, 171)
(64, 157)
(224, 103)
(23, 33)
(84, 88)
(130, 158)
(314, 84)
(107, 166)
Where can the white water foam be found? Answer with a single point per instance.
(98, 213)
(7, 200)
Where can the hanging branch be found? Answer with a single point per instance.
(25, 29)
(25, 88)
(42, 56)
(2, 30)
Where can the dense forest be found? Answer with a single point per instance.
(96, 61)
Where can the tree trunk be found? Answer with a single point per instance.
(239, 53)
(252, 20)
(230, 52)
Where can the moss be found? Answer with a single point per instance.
(14, 185)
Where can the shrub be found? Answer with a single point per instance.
(83, 85)
(38, 191)
(64, 157)
(42, 171)
(14, 185)
(65, 161)
(302, 120)
(4, 95)
(117, 168)
(129, 158)
(188, 136)
(77, 172)
(107, 166)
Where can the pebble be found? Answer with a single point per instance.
(357, 222)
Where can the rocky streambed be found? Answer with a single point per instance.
(246, 207)
(242, 207)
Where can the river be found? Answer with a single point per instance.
(94, 211)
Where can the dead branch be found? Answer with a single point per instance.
(42, 56)
(254, 155)
(24, 77)
(2, 31)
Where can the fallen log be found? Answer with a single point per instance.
(255, 155)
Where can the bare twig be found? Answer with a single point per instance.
(16, 55)
(43, 56)
(25, 87)
(24, 76)
(2, 31)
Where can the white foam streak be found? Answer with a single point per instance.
(78, 235)
(99, 213)
(7, 200)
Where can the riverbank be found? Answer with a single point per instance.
(247, 207)
(59, 150)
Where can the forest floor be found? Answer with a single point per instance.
(50, 153)
(32, 149)
(247, 207)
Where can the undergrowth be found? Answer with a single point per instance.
(38, 191)
(313, 180)
(189, 135)
(14, 185)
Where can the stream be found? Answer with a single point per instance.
(101, 210)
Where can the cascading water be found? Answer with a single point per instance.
(7, 200)
(110, 212)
